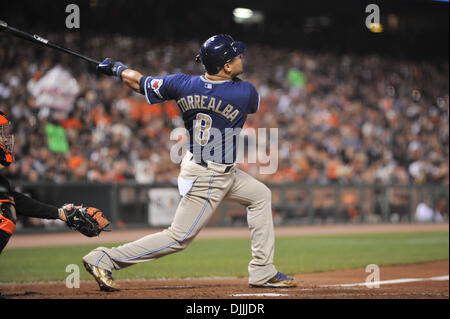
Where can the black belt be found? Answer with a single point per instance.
(204, 164)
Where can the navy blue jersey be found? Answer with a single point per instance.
(213, 111)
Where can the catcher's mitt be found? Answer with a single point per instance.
(89, 221)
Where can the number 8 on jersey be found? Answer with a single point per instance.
(203, 123)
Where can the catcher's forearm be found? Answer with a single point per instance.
(26, 206)
(132, 78)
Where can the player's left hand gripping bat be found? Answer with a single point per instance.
(39, 40)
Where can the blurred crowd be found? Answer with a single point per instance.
(341, 118)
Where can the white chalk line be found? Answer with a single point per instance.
(389, 282)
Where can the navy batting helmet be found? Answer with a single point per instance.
(218, 50)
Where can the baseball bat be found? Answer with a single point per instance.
(40, 40)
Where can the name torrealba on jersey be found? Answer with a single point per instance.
(205, 106)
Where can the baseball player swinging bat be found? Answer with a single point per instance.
(216, 101)
(40, 40)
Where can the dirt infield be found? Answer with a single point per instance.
(310, 286)
(419, 281)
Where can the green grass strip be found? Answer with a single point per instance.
(230, 257)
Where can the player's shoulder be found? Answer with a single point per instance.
(178, 77)
(176, 80)
(243, 84)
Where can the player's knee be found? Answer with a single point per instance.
(181, 244)
(94, 254)
(181, 239)
(267, 193)
(264, 194)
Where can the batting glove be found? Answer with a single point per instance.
(111, 67)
